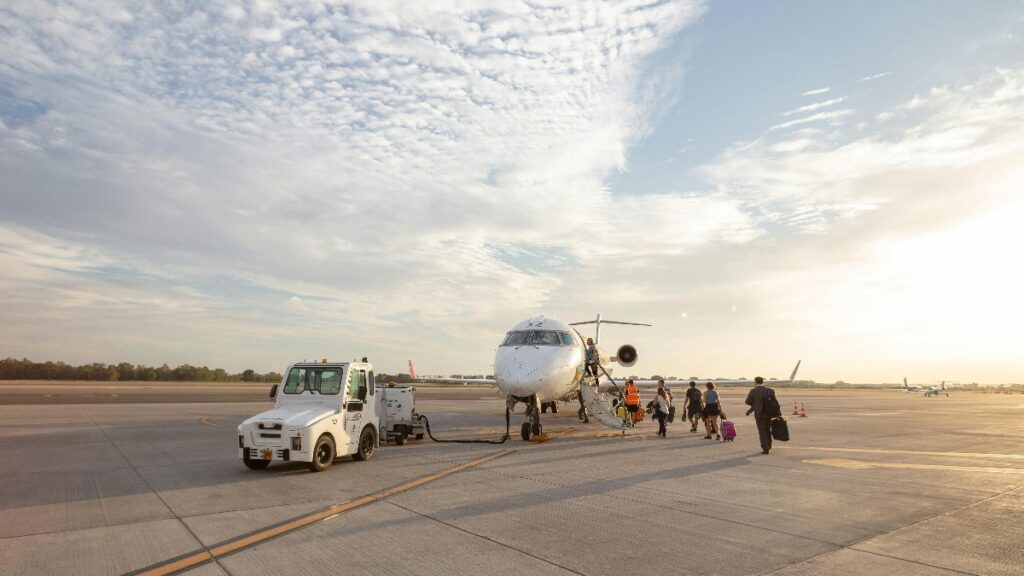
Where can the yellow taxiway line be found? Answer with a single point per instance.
(194, 559)
(206, 420)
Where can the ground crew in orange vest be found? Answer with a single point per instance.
(632, 401)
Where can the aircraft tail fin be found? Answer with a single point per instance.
(597, 325)
(792, 377)
(412, 370)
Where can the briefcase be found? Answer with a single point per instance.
(671, 414)
(780, 429)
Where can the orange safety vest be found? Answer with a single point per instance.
(632, 396)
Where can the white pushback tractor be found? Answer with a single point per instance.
(326, 410)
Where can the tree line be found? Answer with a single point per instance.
(25, 369)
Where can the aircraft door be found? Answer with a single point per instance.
(356, 409)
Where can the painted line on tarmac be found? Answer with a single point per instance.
(206, 420)
(861, 465)
(910, 452)
(193, 559)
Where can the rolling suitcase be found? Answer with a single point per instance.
(728, 430)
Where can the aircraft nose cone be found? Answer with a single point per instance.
(517, 377)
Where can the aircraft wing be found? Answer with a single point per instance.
(643, 383)
(457, 380)
(415, 378)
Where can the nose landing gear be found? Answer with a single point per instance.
(532, 426)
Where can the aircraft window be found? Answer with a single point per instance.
(543, 338)
(296, 383)
(330, 381)
(567, 339)
(515, 339)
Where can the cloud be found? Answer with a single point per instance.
(820, 116)
(874, 77)
(815, 106)
(816, 91)
(814, 177)
(364, 160)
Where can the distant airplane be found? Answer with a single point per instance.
(541, 361)
(908, 387)
(936, 390)
(929, 391)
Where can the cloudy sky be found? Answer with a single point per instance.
(249, 184)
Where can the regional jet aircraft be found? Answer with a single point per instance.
(541, 361)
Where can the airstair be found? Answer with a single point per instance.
(600, 404)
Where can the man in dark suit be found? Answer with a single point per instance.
(765, 406)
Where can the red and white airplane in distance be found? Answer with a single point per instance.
(541, 361)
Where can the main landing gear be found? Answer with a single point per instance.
(532, 426)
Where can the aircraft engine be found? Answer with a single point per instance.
(626, 356)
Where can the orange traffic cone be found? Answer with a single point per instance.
(795, 411)
(803, 412)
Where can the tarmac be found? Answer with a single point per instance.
(873, 482)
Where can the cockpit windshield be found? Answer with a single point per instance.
(538, 338)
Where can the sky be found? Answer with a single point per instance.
(249, 184)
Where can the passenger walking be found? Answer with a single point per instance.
(661, 407)
(766, 407)
(712, 408)
(693, 405)
(632, 401)
(593, 358)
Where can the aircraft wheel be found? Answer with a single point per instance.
(554, 408)
(254, 464)
(367, 442)
(544, 408)
(323, 454)
(537, 429)
(525, 431)
(402, 439)
(419, 436)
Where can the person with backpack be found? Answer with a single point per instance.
(712, 409)
(661, 408)
(693, 405)
(765, 406)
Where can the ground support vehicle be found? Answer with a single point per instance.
(397, 407)
(321, 411)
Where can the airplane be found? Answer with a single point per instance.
(936, 390)
(541, 361)
(909, 388)
(929, 391)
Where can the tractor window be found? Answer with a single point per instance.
(356, 379)
(372, 382)
(296, 383)
(515, 339)
(330, 381)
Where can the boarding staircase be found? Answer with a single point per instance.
(601, 405)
